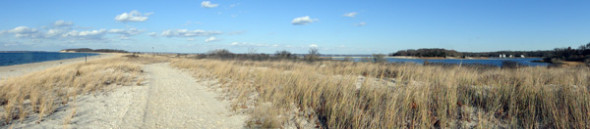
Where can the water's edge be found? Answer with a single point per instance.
(490, 61)
(19, 58)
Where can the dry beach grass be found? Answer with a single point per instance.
(330, 94)
(334, 94)
(40, 93)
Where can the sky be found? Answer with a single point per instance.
(267, 26)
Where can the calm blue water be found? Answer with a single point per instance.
(490, 61)
(14, 58)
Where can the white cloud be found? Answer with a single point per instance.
(116, 31)
(208, 4)
(54, 32)
(33, 33)
(22, 29)
(58, 28)
(191, 39)
(211, 39)
(24, 32)
(361, 24)
(313, 46)
(63, 31)
(188, 33)
(62, 23)
(245, 44)
(236, 43)
(302, 20)
(133, 16)
(126, 32)
(351, 14)
(92, 34)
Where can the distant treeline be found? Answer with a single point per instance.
(582, 54)
(427, 52)
(569, 53)
(313, 55)
(438, 52)
(97, 50)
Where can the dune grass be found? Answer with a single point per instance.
(334, 94)
(40, 93)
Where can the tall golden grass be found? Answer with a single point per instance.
(334, 94)
(40, 93)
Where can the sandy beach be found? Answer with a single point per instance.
(166, 97)
(21, 69)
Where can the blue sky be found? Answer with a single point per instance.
(265, 26)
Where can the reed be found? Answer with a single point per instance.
(330, 94)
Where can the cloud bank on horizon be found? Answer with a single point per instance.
(346, 27)
(62, 30)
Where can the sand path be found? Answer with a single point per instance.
(169, 98)
(175, 100)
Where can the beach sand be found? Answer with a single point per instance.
(21, 69)
(168, 98)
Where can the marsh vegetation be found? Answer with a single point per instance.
(331, 94)
(298, 93)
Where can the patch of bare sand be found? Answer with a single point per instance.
(170, 98)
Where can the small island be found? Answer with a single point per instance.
(96, 50)
(559, 56)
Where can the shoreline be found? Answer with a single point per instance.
(413, 57)
(21, 69)
(563, 63)
(11, 63)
